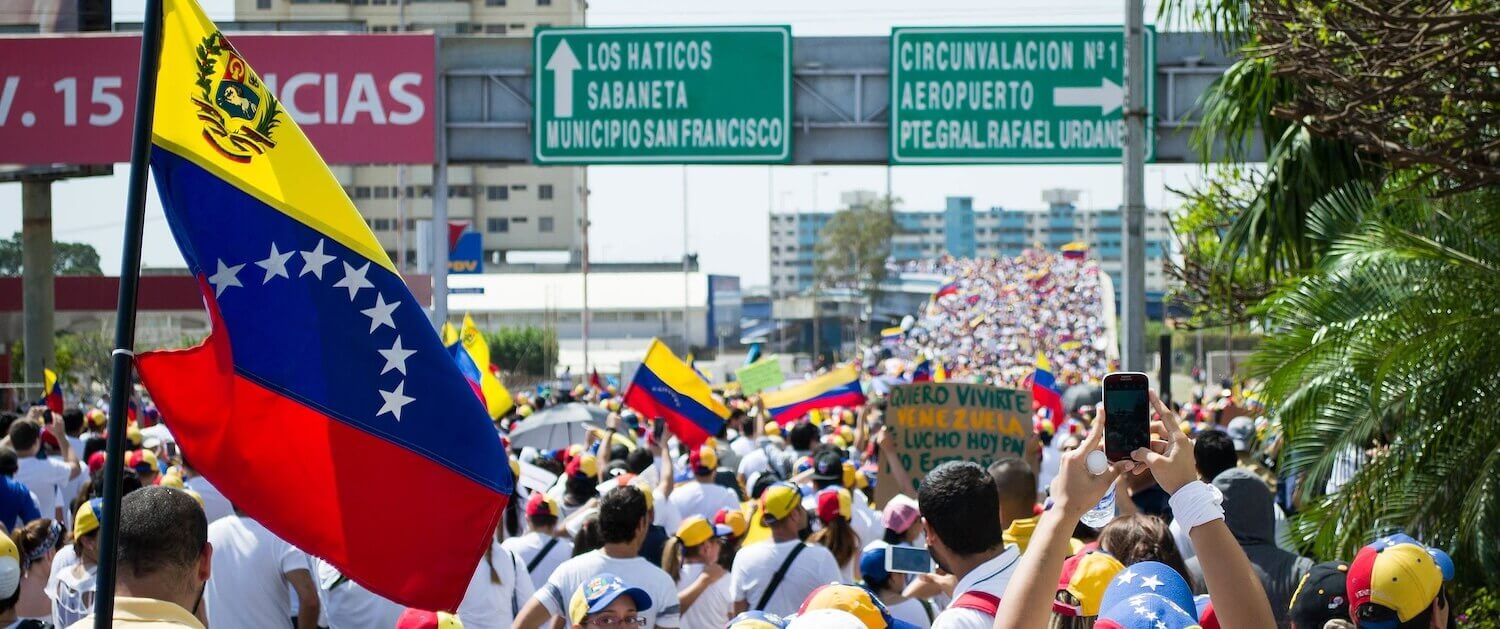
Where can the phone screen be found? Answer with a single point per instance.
(659, 428)
(908, 559)
(1128, 415)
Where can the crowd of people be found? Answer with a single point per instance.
(993, 316)
(768, 525)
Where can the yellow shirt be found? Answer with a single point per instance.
(142, 613)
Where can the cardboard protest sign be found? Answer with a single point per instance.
(761, 375)
(935, 422)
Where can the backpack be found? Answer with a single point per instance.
(982, 602)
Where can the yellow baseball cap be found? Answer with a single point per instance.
(703, 457)
(853, 479)
(854, 600)
(696, 530)
(10, 567)
(87, 519)
(772, 428)
(1402, 577)
(1086, 577)
(734, 519)
(779, 501)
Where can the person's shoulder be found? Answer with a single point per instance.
(960, 618)
(821, 552)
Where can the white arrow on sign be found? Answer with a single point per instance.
(1108, 97)
(562, 63)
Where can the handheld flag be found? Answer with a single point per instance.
(322, 396)
(450, 334)
(923, 371)
(596, 382)
(949, 287)
(891, 335)
(497, 398)
(839, 387)
(1044, 392)
(939, 374)
(666, 387)
(51, 391)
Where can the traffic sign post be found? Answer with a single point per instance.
(663, 95)
(1010, 95)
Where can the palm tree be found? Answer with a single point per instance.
(1389, 348)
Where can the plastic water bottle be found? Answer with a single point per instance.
(1103, 512)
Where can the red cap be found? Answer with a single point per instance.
(540, 504)
(96, 461)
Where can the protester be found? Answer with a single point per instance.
(902, 521)
(605, 600)
(1080, 590)
(623, 520)
(960, 507)
(1136, 538)
(346, 604)
(412, 618)
(1322, 597)
(1016, 484)
(1398, 582)
(756, 620)
(774, 576)
(888, 587)
(691, 558)
(867, 609)
(497, 590)
(1241, 601)
(17, 505)
(46, 477)
(163, 558)
(37, 543)
(542, 548)
(835, 508)
(1250, 514)
(253, 571)
(71, 585)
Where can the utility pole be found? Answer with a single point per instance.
(687, 342)
(587, 366)
(1133, 268)
(401, 175)
(439, 236)
(37, 289)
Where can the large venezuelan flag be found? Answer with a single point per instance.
(322, 403)
(1044, 391)
(666, 387)
(839, 387)
(497, 399)
(51, 391)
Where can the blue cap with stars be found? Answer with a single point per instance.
(1146, 611)
(1148, 577)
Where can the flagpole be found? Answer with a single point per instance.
(122, 357)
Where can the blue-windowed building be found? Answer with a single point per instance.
(959, 229)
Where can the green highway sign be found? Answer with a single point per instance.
(716, 94)
(1011, 95)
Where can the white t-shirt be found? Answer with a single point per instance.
(70, 490)
(865, 520)
(713, 607)
(248, 586)
(46, 478)
(488, 604)
(526, 548)
(911, 611)
(215, 505)
(667, 515)
(755, 564)
(71, 590)
(703, 500)
(990, 577)
(635, 571)
(348, 605)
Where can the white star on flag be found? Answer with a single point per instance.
(380, 313)
(314, 261)
(395, 357)
(1126, 577)
(354, 279)
(275, 264)
(225, 277)
(1151, 582)
(394, 400)
(1161, 625)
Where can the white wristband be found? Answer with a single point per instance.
(1196, 503)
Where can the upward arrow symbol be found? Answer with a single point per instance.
(1108, 97)
(562, 63)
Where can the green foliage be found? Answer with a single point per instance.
(1388, 346)
(1479, 609)
(68, 258)
(529, 350)
(853, 247)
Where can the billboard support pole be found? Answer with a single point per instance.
(1133, 273)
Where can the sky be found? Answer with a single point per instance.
(637, 211)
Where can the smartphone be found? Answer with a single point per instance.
(658, 428)
(1128, 414)
(909, 559)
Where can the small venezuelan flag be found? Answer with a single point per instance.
(839, 387)
(322, 398)
(51, 391)
(666, 387)
(1044, 391)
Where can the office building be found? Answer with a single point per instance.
(514, 207)
(959, 230)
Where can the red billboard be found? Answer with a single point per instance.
(361, 99)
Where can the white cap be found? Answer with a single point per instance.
(826, 619)
(10, 567)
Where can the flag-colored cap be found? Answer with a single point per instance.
(703, 458)
(1402, 578)
(696, 530)
(756, 620)
(541, 504)
(834, 502)
(854, 600)
(141, 460)
(96, 418)
(597, 593)
(584, 465)
(779, 501)
(734, 519)
(1148, 577)
(87, 519)
(1086, 576)
(413, 618)
(1147, 611)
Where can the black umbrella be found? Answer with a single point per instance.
(1081, 395)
